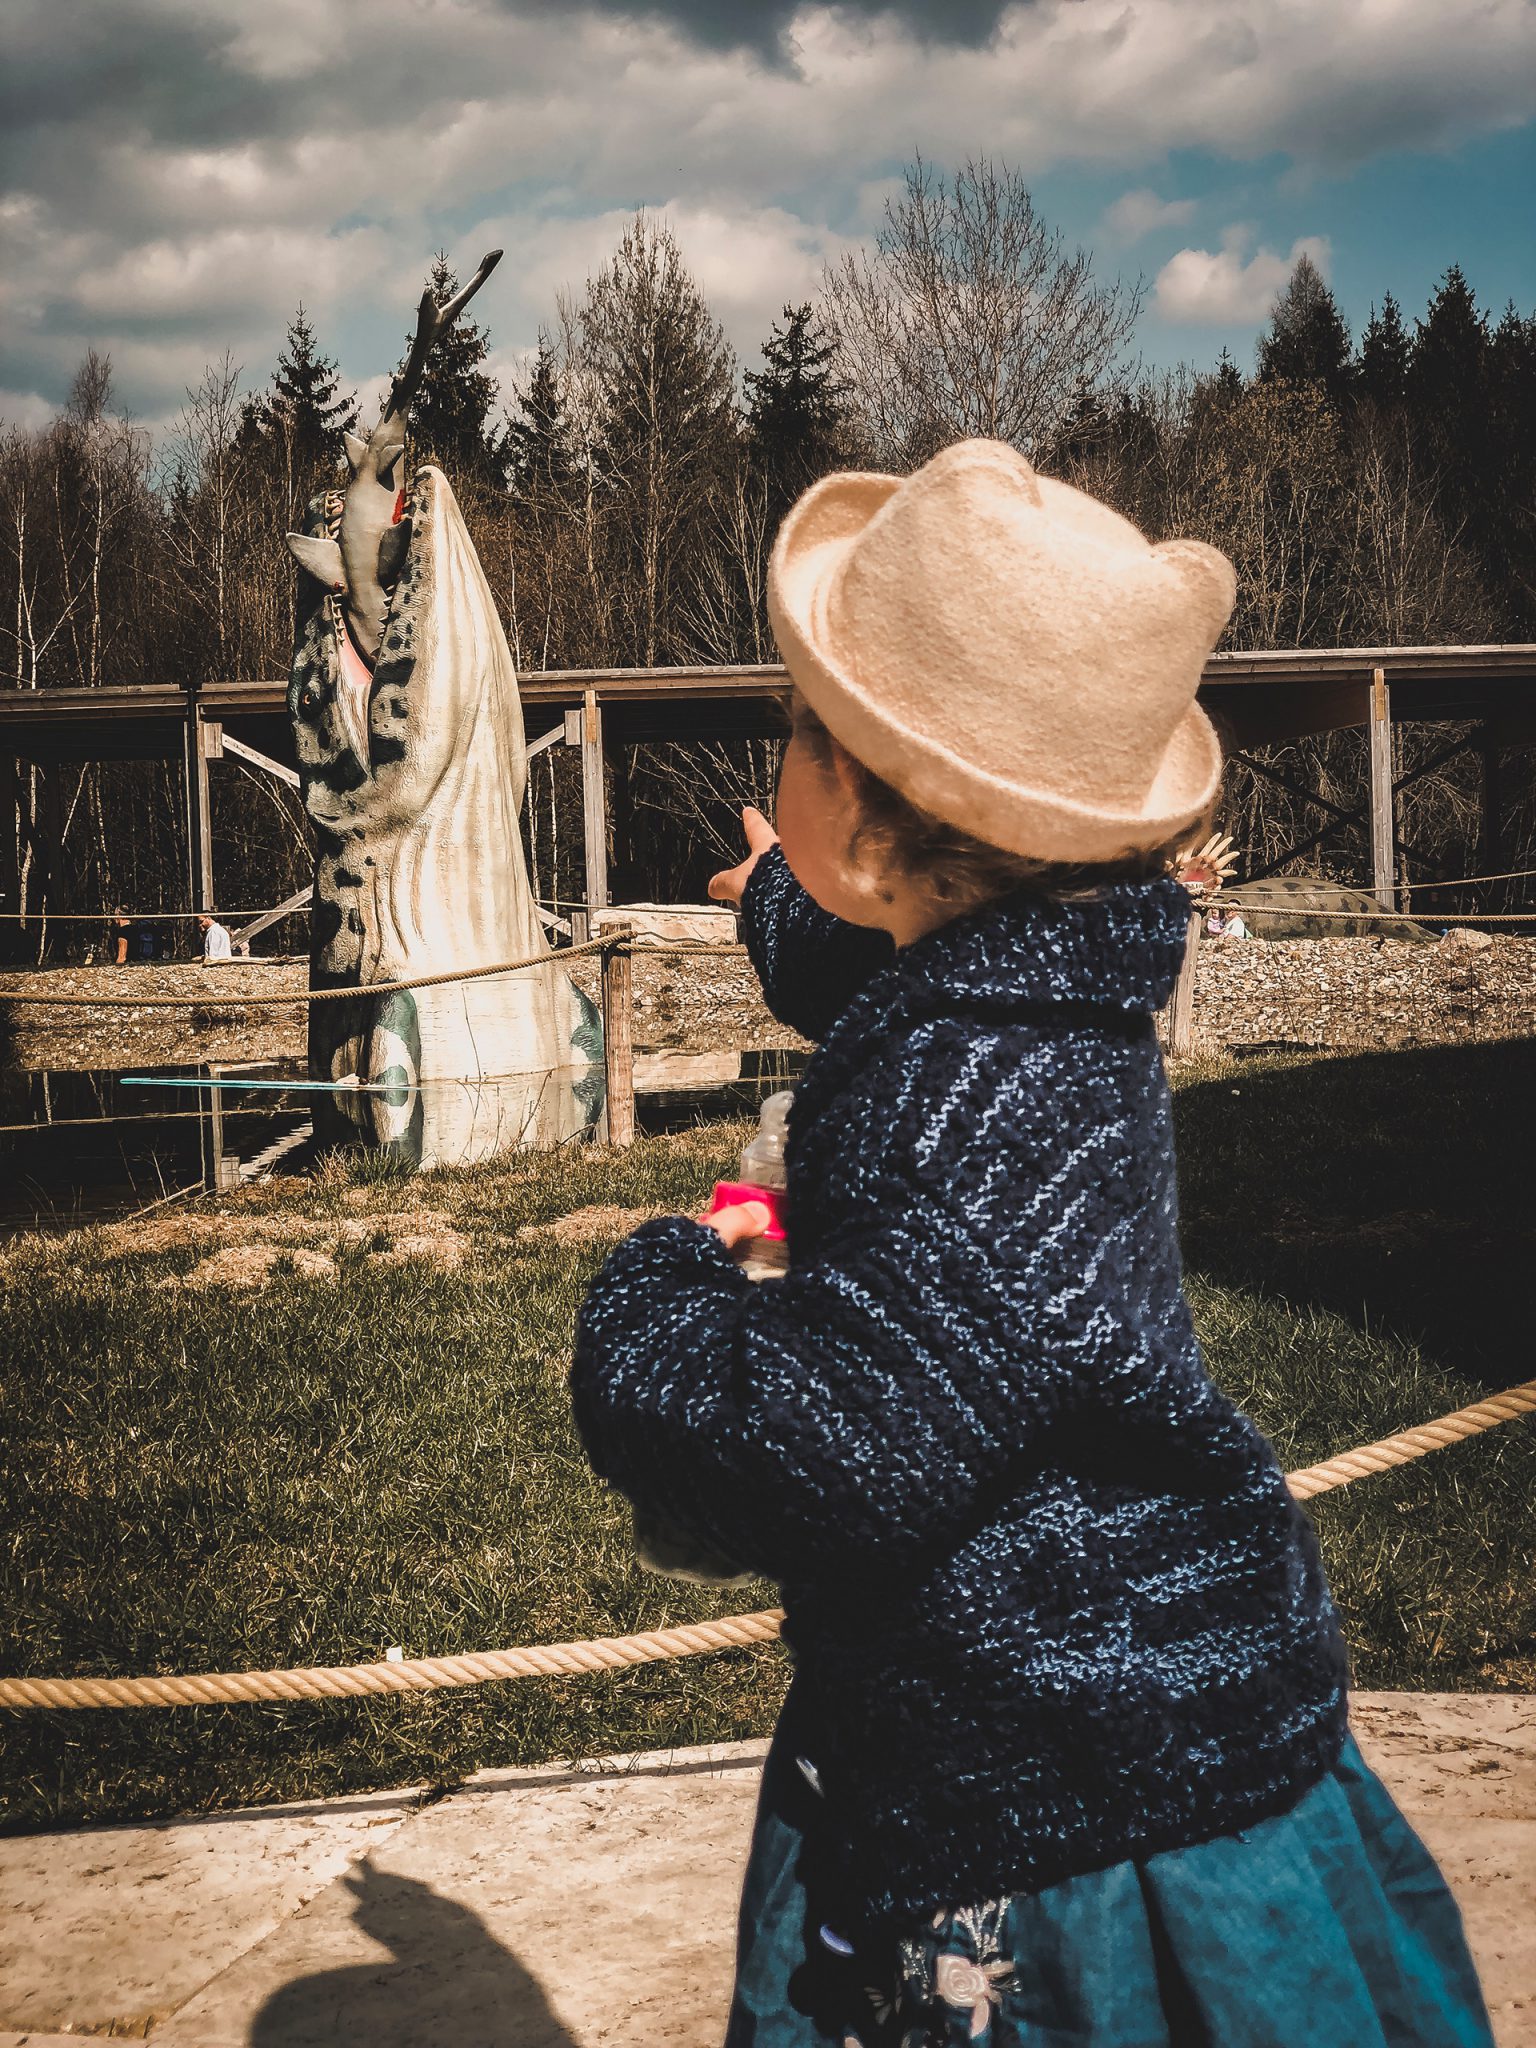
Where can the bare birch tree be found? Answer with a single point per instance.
(971, 316)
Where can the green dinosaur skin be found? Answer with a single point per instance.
(413, 779)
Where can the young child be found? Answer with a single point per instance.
(1065, 1758)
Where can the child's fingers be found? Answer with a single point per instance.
(729, 885)
(741, 1220)
(760, 834)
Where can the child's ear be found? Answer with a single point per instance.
(846, 773)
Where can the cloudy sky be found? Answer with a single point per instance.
(178, 174)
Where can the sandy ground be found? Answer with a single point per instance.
(589, 1906)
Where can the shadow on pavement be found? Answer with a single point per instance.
(447, 1983)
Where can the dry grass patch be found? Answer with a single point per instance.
(247, 1266)
(315, 1249)
(598, 1223)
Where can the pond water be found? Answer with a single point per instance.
(87, 1147)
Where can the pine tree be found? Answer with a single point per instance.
(1084, 432)
(1381, 371)
(1449, 356)
(452, 420)
(1510, 518)
(797, 421)
(306, 401)
(1464, 422)
(538, 446)
(1227, 381)
(1308, 340)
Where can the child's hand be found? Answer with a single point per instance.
(738, 1222)
(729, 884)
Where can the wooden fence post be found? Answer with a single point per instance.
(594, 806)
(1181, 1009)
(1383, 806)
(201, 737)
(618, 1043)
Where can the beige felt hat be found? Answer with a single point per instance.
(1006, 651)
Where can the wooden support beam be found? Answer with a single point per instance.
(221, 1171)
(1491, 852)
(618, 1045)
(1295, 852)
(594, 809)
(297, 901)
(1436, 760)
(1346, 815)
(260, 760)
(551, 738)
(198, 735)
(1383, 808)
(1181, 1009)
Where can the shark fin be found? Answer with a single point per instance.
(356, 448)
(392, 551)
(321, 558)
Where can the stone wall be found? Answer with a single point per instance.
(1363, 995)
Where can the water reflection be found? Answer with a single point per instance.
(82, 1147)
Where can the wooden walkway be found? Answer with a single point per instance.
(1257, 699)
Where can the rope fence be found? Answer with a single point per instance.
(1413, 1443)
(617, 1653)
(46, 916)
(146, 916)
(1234, 901)
(255, 999)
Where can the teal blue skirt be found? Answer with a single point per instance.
(1327, 1927)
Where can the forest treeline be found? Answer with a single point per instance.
(1372, 490)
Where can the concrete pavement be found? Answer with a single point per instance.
(589, 1906)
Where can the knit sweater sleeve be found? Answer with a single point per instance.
(842, 1412)
(810, 963)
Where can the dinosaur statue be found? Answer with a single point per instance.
(412, 764)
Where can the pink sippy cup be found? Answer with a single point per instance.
(762, 1180)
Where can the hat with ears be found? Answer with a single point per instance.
(1010, 654)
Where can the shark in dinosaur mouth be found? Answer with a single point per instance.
(412, 762)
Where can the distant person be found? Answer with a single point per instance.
(216, 940)
(122, 934)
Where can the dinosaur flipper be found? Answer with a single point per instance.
(320, 558)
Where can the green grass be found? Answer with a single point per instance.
(311, 1472)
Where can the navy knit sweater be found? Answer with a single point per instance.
(1050, 1603)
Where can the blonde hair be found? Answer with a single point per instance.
(954, 869)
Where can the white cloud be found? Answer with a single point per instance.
(1140, 212)
(185, 174)
(1224, 287)
(26, 408)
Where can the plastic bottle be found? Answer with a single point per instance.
(763, 1180)
(661, 1547)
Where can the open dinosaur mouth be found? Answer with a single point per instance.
(353, 686)
(356, 672)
